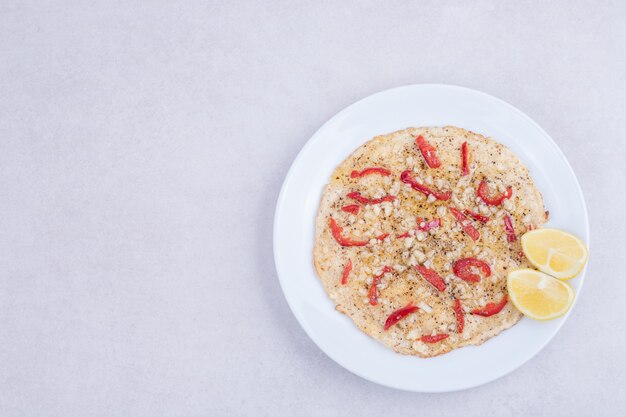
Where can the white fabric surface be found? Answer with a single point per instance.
(143, 148)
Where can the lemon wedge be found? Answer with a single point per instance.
(555, 252)
(538, 295)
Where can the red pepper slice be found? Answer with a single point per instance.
(336, 231)
(488, 198)
(463, 269)
(432, 277)
(460, 317)
(368, 171)
(428, 225)
(383, 236)
(465, 223)
(429, 152)
(476, 216)
(464, 159)
(491, 308)
(434, 339)
(346, 272)
(352, 208)
(510, 230)
(364, 200)
(373, 294)
(406, 178)
(399, 314)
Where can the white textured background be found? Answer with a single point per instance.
(142, 151)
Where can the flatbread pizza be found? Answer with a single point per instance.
(415, 235)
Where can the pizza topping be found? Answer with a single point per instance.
(464, 159)
(425, 307)
(382, 237)
(435, 338)
(465, 223)
(490, 199)
(460, 318)
(476, 216)
(373, 293)
(336, 231)
(346, 272)
(432, 277)
(355, 195)
(491, 308)
(398, 315)
(352, 208)
(368, 171)
(467, 269)
(429, 152)
(510, 231)
(406, 178)
(423, 226)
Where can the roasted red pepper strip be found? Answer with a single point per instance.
(352, 208)
(465, 223)
(489, 199)
(464, 159)
(434, 339)
(476, 216)
(406, 178)
(463, 269)
(355, 195)
(373, 294)
(336, 230)
(383, 236)
(432, 277)
(491, 308)
(346, 272)
(428, 225)
(429, 152)
(398, 315)
(460, 317)
(510, 230)
(369, 171)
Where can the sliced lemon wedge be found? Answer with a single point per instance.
(538, 295)
(555, 252)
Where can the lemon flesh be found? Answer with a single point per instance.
(555, 252)
(538, 295)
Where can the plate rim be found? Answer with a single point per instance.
(311, 140)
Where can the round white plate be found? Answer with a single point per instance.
(385, 112)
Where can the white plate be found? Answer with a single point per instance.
(398, 108)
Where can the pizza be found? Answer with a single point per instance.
(416, 232)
